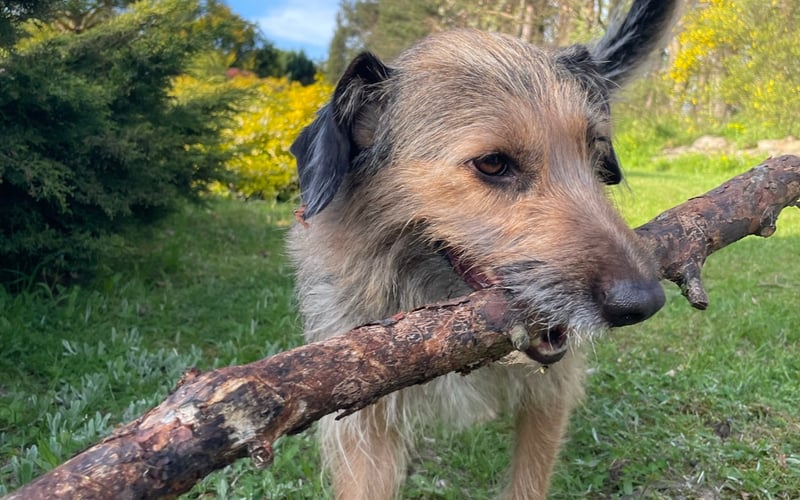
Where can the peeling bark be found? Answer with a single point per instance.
(213, 418)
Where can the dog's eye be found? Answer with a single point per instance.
(494, 164)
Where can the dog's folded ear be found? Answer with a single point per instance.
(325, 150)
(631, 39)
(610, 172)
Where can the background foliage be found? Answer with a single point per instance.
(735, 63)
(90, 138)
(259, 138)
(93, 136)
(14, 13)
(255, 142)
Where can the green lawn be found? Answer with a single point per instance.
(690, 404)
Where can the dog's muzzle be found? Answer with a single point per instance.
(546, 344)
(620, 302)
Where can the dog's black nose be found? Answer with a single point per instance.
(626, 302)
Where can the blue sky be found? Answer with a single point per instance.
(292, 24)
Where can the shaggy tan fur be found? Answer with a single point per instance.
(412, 200)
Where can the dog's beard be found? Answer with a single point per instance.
(553, 313)
(558, 311)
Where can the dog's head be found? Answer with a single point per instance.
(497, 152)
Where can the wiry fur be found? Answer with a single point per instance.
(392, 195)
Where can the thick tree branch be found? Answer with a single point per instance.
(214, 418)
(683, 237)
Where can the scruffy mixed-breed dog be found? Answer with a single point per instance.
(473, 160)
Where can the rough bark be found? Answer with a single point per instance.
(683, 237)
(214, 418)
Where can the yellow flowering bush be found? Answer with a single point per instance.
(270, 115)
(712, 27)
(262, 132)
(737, 58)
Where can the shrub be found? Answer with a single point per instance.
(262, 133)
(737, 61)
(92, 140)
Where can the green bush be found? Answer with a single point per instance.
(91, 138)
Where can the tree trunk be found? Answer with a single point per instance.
(214, 418)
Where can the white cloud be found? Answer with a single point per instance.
(309, 22)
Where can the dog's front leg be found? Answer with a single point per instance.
(365, 454)
(538, 437)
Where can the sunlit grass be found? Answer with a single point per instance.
(208, 287)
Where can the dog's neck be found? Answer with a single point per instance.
(365, 276)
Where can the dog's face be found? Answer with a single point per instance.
(496, 155)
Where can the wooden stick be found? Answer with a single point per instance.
(683, 237)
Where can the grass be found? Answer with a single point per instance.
(689, 404)
(208, 287)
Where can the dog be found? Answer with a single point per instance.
(473, 160)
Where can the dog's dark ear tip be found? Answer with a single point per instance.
(326, 148)
(611, 172)
(367, 68)
(629, 40)
(611, 178)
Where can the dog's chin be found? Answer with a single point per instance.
(544, 344)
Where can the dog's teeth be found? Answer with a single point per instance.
(520, 337)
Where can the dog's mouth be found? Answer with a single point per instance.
(547, 346)
(475, 277)
(544, 344)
